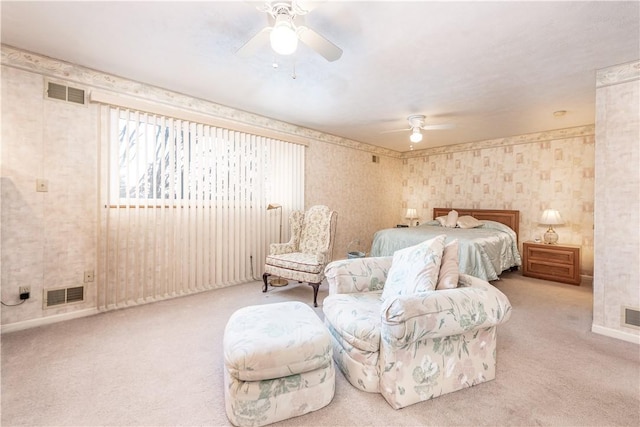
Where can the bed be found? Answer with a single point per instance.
(484, 252)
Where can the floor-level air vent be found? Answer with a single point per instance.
(65, 93)
(55, 297)
(631, 317)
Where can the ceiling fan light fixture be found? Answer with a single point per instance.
(416, 135)
(284, 39)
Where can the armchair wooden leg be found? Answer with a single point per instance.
(315, 293)
(264, 279)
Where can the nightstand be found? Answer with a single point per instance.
(560, 263)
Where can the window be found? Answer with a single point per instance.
(161, 159)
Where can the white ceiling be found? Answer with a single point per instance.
(491, 69)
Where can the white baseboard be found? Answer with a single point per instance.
(32, 323)
(586, 280)
(614, 333)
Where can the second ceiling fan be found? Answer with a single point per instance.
(417, 125)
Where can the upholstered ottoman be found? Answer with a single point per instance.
(278, 363)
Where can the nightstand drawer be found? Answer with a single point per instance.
(551, 271)
(560, 263)
(556, 255)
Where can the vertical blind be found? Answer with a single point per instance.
(184, 205)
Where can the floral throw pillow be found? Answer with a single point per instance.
(449, 273)
(415, 269)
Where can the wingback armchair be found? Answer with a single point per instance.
(305, 256)
(416, 347)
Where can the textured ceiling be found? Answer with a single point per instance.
(491, 69)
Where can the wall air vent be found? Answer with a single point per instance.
(631, 317)
(65, 93)
(57, 91)
(55, 297)
(60, 296)
(75, 95)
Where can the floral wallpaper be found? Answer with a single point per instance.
(366, 194)
(529, 173)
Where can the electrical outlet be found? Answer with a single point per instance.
(24, 291)
(88, 276)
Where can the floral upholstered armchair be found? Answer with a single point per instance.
(416, 346)
(310, 248)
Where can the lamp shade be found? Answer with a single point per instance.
(411, 214)
(551, 217)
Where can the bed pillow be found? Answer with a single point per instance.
(467, 221)
(452, 219)
(494, 225)
(415, 269)
(442, 220)
(449, 269)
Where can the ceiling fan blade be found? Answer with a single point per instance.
(438, 127)
(305, 6)
(315, 41)
(255, 43)
(396, 130)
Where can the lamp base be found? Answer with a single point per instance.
(551, 237)
(278, 282)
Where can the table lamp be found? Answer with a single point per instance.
(411, 215)
(551, 217)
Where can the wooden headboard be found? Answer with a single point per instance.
(507, 217)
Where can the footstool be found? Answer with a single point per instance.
(278, 363)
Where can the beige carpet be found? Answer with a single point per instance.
(161, 365)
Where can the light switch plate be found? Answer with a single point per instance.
(42, 185)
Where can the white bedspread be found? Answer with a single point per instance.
(484, 252)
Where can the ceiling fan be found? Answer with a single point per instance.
(417, 125)
(285, 27)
